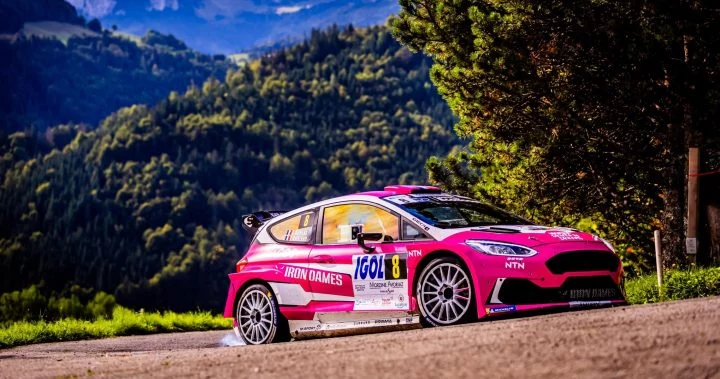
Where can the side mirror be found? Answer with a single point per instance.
(361, 237)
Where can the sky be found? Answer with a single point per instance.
(229, 26)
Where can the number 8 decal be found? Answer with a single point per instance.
(395, 266)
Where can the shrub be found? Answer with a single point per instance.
(679, 284)
(694, 283)
(27, 304)
(31, 304)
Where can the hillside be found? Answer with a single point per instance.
(58, 30)
(148, 206)
(56, 72)
(15, 13)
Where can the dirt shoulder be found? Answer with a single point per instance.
(675, 339)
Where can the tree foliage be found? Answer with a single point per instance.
(578, 111)
(148, 206)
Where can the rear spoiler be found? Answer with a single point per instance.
(253, 221)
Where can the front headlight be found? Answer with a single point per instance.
(500, 248)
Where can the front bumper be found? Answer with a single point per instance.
(494, 311)
(563, 275)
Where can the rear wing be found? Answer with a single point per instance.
(253, 221)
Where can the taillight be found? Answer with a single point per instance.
(240, 265)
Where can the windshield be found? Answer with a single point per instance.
(450, 211)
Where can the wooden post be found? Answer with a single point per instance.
(658, 260)
(692, 205)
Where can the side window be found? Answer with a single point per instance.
(296, 229)
(410, 232)
(341, 223)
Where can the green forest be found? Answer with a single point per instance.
(147, 206)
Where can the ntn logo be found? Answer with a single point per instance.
(515, 265)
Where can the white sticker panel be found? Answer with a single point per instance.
(380, 282)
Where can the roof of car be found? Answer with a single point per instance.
(376, 193)
(402, 190)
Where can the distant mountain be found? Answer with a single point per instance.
(58, 69)
(225, 26)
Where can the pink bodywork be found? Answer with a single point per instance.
(269, 263)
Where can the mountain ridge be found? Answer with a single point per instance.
(215, 26)
(147, 207)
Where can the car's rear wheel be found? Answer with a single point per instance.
(444, 293)
(258, 317)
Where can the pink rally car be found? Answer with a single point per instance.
(404, 257)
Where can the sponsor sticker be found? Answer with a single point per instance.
(515, 263)
(565, 236)
(380, 266)
(590, 293)
(421, 223)
(400, 199)
(411, 253)
(313, 275)
(299, 235)
(505, 309)
(380, 281)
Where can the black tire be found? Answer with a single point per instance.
(258, 317)
(445, 293)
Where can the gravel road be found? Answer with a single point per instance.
(676, 339)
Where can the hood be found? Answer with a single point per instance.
(525, 235)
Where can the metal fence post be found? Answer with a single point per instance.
(658, 260)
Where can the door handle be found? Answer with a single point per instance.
(322, 259)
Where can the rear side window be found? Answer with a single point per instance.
(296, 229)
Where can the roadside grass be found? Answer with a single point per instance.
(124, 322)
(678, 285)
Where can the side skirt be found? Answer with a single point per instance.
(330, 325)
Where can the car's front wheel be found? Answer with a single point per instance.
(444, 293)
(258, 317)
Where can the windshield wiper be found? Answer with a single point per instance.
(449, 224)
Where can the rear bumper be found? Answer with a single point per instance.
(230, 301)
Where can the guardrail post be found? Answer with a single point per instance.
(658, 260)
(691, 240)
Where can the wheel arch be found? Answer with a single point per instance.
(425, 261)
(245, 286)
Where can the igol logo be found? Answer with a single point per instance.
(370, 267)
